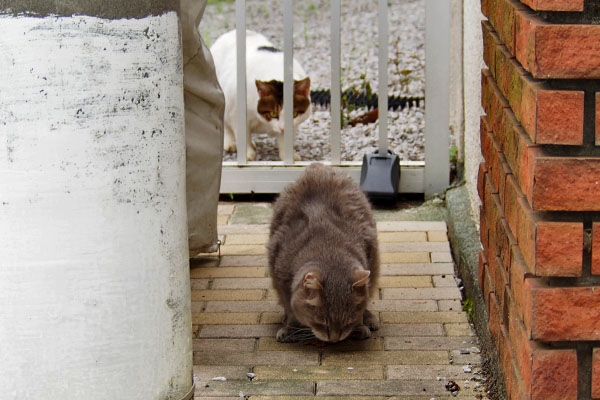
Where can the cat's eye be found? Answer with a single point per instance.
(295, 114)
(273, 114)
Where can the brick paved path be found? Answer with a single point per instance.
(425, 339)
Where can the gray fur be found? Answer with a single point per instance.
(323, 226)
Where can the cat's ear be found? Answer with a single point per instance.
(311, 281)
(302, 87)
(360, 277)
(264, 88)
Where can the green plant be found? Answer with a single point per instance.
(231, 196)
(468, 308)
(453, 154)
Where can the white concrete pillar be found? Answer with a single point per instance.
(94, 275)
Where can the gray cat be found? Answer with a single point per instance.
(324, 257)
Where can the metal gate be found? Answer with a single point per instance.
(428, 177)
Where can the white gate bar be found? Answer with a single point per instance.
(382, 92)
(437, 131)
(240, 38)
(272, 177)
(288, 80)
(336, 89)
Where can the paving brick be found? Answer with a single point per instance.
(204, 261)
(243, 261)
(402, 305)
(233, 388)
(427, 372)
(349, 345)
(326, 398)
(411, 226)
(241, 283)
(463, 329)
(244, 229)
(430, 343)
(392, 330)
(404, 281)
(252, 213)
(243, 306)
(387, 388)
(271, 318)
(225, 318)
(234, 345)
(437, 236)
(243, 250)
(205, 373)
(226, 295)
(460, 358)
(414, 247)
(384, 237)
(423, 317)
(222, 219)
(225, 209)
(421, 293)
(313, 373)
(199, 284)
(402, 258)
(441, 257)
(417, 269)
(444, 281)
(449, 305)
(395, 357)
(228, 272)
(246, 239)
(237, 331)
(272, 295)
(219, 357)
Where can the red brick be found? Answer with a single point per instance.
(481, 180)
(596, 248)
(548, 116)
(566, 184)
(546, 373)
(557, 51)
(559, 117)
(483, 229)
(517, 389)
(596, 373)
(521, 283)
(502, 16)
(597, 119)
(500, 284)
(494, 315)
(505, 356)
(490, 40)
(554, 375)
(559, 248)
(481, 270)
(566, 313)
(555, 5)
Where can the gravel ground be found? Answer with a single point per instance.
(406, 68)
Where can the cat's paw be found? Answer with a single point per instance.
(251, 154)
(370, 320)
(361, 332)
(283, 334)
(229, 145)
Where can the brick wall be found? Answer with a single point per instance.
(540, 189)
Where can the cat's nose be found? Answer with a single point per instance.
(334, 337)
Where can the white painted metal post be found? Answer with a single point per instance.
(437, 131)
(288, 80)
(336, 90)
(382, 92)
(242, 121)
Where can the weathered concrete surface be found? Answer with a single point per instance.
(464, 240)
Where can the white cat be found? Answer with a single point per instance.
(264, 80)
